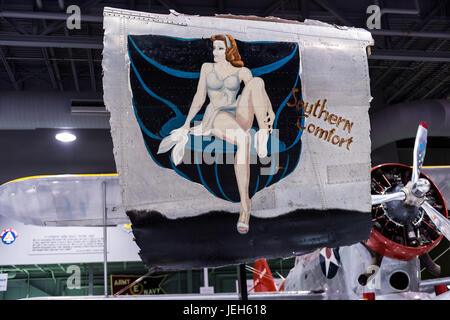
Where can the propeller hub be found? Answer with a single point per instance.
(399, 212)
(421, 187)
(415, 192)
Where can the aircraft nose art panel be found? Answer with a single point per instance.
(238, 138)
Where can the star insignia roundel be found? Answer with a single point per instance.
(329, 262)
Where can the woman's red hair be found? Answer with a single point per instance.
(232, 53)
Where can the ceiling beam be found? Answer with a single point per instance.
(91, 70)
(31, 75)
(440, 83)
(55, 63)
(65, 59)
(415, 76)
(53, 27)
(72, 65)
(410, 55)
(15, 25)
(51, 41)
(385, 25)
(57, 25)
(169, 5)
(417, 34)
(9, 70)
(405, 43)
(47, 15)
(39, 4)
(52, 67)
(271, 8)
(335, 12)
(62, 24)
(51, 73)
(405, 85)
(415, 11)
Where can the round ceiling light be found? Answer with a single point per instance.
(65, 137)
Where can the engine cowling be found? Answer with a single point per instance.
(400, 231)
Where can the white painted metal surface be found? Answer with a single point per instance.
(63, 200)
(334, 67)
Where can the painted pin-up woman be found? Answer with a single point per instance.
(228, 117)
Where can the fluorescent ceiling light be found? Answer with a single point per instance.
(65, 137)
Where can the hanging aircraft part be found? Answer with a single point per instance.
(409, 213)
(409, 217)
(237, 139)
(287, 235)
(63, 200)
(402, 231)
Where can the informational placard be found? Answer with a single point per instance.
(86, 243)
(50, 245)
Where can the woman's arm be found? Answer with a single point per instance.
(245, 75)
(199, 97)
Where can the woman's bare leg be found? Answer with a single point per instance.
(228, 129)
(254, 102)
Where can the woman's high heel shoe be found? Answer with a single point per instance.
(243, 222)
(261, 138)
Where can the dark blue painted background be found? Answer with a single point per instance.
(164, 74)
